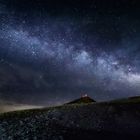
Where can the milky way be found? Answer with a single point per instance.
(49, 59)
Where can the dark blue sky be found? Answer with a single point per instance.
(52, 52)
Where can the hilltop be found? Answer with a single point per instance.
(82, 100)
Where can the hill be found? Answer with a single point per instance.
(118, 119)
(83, 99)
(135, 99)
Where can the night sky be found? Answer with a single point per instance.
(55, 51)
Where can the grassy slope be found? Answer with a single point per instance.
(121, 117)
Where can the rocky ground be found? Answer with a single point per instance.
(112, 120)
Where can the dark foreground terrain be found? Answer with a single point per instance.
(112, 120)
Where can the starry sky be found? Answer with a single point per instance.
(54, 51)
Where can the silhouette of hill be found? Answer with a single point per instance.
(83, 99)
